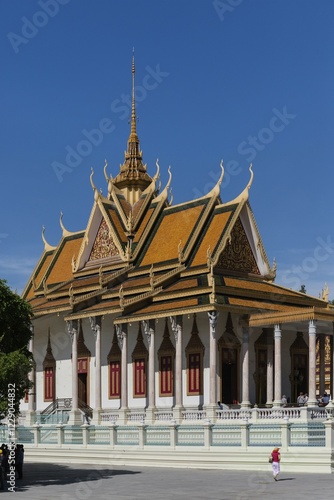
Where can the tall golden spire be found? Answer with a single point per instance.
(133, 107)
(133, 178)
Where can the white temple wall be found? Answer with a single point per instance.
(61, 349)
(254, 335)
(288, 338)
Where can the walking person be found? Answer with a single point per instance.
(301, 399)
(19, 456)
(276, 458)
(2, 472)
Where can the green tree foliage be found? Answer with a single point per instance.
(15, 359)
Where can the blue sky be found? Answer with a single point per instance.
(243, 80)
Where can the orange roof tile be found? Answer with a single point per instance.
(43, 267)
(143, 224)
(258, 304)
(117, 224)
(211, 237)
(175, 226)
(183, 285)
(135, 282)
(260, 286)
(62, 265)
(137, 206)
(165, 306)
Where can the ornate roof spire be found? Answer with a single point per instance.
(133, 107)
(133, 178)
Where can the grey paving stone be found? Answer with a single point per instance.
(83, 482)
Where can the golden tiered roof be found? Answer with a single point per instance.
(140, 257)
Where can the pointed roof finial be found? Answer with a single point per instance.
(133, 177)
(133, 107)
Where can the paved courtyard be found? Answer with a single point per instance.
(83, 482)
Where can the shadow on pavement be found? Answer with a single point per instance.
(37, 474)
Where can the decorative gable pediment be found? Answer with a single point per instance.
(104, 245)
(238, 255)
(100, 242)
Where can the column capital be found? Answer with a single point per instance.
(245, 334)
(95, 324)
(122, 333)
(312, 327)
(277, 331)
(213, 317)
(176, 325)
(148, 326)
(72, 327)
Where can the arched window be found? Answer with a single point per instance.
(139, 364)
(194, 352)
(166, 355)
(114, 364)
(49, 373)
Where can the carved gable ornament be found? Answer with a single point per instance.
(195, 344)
(104, 245)
(237, 255)
(140, 350)
(115, 351)
(166, 346)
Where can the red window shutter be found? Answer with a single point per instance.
(48, 384)
(115, 379)
(140, 377)
(194, 373)
(166, 376)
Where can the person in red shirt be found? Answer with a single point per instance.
(276, 457)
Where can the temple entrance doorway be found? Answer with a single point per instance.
(83, 380)
(229, 383)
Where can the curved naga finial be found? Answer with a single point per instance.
(251, 177)
(221, 164)
(105, 171)
(170, 177)
(47, 246)
(157, 174)
(96, 193)
(171, 196)
(91, 178)
(63, 228)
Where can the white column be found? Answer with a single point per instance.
(321, 364)
(29, 420)
(245, 403)
(213, 316)
(75, 415)
(150, 335)
(31, 376)
(122, 336)
(74, 338)
(312, 332)
(278, 365)
(176, 323)
(270, 369)
(96, 322)
(331, 356)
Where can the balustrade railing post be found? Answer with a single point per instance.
(255, 414)
(85, 434)
(207, 433)
(285, 434)
(141, 431)
(329, 433)
(60, 434)
(244, 433)
(173, 431)
(113, 434)
(37, 434)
